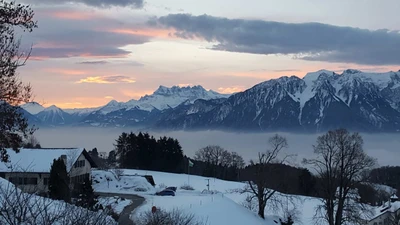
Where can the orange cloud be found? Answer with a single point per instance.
(109, 97)
(184, 85)
(66, 71)
(73, 15)
(230, 90)
(106, 80)
(146, 32)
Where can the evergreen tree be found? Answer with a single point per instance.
(59, 181)
(94, 153)
(85, 195)
(112, 157)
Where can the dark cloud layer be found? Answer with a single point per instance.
(91, 38)
(307, 41)
(93, 3)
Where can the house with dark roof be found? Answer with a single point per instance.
(29, 169)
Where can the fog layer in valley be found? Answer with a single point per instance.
(384, 147)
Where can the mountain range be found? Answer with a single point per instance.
(322, 100)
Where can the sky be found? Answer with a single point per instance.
(86, 53)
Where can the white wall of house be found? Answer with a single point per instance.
(26, 185)
(80, 168)
(79, 171)
(384, 219)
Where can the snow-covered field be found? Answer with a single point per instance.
(225, 206)
(23, 208)
(117, 204)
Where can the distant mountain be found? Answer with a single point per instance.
(33, 107)
(54, 116)
(143, 111)
(320, 101)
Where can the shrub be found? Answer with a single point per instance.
(162, 186)
(187, 187)
(174, 217)
(140, 189)
(117, 173)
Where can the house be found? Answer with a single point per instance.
(387, 212)
(30, 168)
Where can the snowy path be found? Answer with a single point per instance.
(124, 218)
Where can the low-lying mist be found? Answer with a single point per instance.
(384, 147)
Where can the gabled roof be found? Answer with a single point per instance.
(388, 207)
(38, 160)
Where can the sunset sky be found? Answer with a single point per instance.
(88, 52)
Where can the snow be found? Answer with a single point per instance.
(52, 108)
(33, 107)
(37, 160)
(41, 209)
(107, 181)
(81, 111)
(386, 207)
(212, 206)
(117, 204)
(163, 98)
(198, 202)
(309, 90)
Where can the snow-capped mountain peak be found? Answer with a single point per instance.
(33, 107)
(52, 108)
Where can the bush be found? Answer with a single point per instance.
(117, 173)
(161, 217)
(187, 187)
(140, 189)
(162, 186)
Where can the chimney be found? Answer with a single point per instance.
(64, 158)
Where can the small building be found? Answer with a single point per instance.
(388, 212)
(30, 168)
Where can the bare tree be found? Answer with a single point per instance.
(17, 207)
(237, 161)
(341, 164)
(212, 154)
(13, 126)
(257, 187)
(32, 142)
(117, 173)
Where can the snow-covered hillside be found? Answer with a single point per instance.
(54, 116)
(199, 202)
(319, 101)
(163, 98)
(33, 107)
(33, 209)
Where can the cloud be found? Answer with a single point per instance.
(100, 62)
(109, 97)
(106, 80)
(92, 38)
(230, 90)
(92, 3)
(65, 71)
(306, 41)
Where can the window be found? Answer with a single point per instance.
(31, 181)
(46, 181)
(23, 180)
(79, 163)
